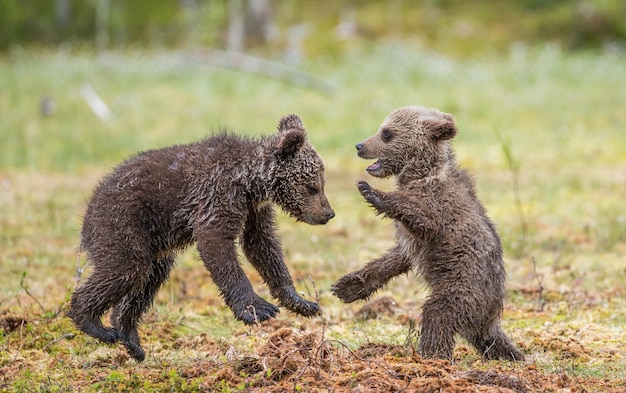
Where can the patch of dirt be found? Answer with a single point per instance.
(296, 355)
(290, 360)
(293, 359)
(490, 378)
(383, 306)
(9, 323)
(565, 345)
(374, 350)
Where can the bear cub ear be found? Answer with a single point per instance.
(291, 136)
(289, 122)
(443, 128)
(289, 143)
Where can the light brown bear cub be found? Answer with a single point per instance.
(442, 232)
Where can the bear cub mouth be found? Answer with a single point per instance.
(375, 166)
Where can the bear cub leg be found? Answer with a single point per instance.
(438, 327)
(90, 302)
(262, 249)
(127, 314)
(218, 252)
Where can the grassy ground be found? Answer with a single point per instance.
(541, 130)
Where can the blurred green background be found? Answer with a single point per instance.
(451, 26)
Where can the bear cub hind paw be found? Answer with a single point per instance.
(301, 306)
(135, 351)
(105, 334)
(505, 352)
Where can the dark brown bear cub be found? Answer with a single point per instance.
(442, 232)
(210, 193)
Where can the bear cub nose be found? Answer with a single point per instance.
(359, 146)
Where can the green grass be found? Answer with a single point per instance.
(562, 116)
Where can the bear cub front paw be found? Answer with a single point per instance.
(371, 195)
(351, 287)
(256, 310)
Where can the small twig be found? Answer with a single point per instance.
(318, 357)
(25, 288)
(68, 336)
(322, 341)
(306, 286)
(580, 385)
(317, 294)
(514, 167)
(19, 349)
(256, 65)
(95, 103)
(315, 359)
(412, 336)
(252, 311)
(488, 348)
(79, 270)
(150, 347)
(381, 363)
(539, 278)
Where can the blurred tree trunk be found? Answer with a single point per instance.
(395, 17)
(259, 19)
(249, 24)
(191, 16)
(234, 39)
(102, 25)
(62, 13)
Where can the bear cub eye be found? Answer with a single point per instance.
(386, 135)
(312, 190)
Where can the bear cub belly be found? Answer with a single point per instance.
(442, 232)
(210, 193)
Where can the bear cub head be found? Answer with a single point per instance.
(298, 182)
(411, 136)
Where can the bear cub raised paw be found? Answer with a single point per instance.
(442, 232)
(210, 193)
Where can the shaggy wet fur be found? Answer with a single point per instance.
(442, 232)
(210, 193)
